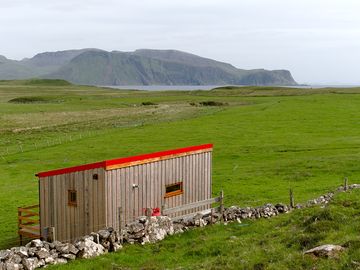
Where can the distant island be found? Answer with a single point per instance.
(141, 67)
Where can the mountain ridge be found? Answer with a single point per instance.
(140, 67)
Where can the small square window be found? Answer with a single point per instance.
(95, 176)
(72, 198)
(174, 189)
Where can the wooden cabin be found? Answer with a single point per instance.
(78, 200)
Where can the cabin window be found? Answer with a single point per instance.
(72, 198)
(95, 176)
(174, 189)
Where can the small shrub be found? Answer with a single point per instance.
(212, 103)
(28, 100)
(148, 103)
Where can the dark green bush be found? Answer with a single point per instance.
(212, 103)
(148, 103)
(28, 100)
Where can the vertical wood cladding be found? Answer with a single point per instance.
(142, 186)
(117, 196)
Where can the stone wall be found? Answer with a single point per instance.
(144, 230)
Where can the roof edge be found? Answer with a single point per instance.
(112, 162)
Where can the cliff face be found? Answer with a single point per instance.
(141, 67)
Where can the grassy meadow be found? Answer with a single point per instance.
(266, 140)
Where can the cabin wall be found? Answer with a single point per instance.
(124, 202)
(70, 221)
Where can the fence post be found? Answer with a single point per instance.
(346, 187)
(148, 212)
(19, 226)
(120, 224)
(212, 216)
(291, 198)
(119, 217)
(51, 234)
(163, 207)
(222, 203)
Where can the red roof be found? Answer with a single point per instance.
(118, 161)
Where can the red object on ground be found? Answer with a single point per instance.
(156, 212)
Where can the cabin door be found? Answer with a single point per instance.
(94, 201)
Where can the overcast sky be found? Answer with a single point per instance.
(317, 40)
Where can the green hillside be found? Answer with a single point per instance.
(141, 67)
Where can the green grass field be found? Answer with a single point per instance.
(266, 140)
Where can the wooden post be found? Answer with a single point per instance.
(212, 216)
(346, 187)
(120, 224)
(51, 234)
(163, 207)
(222, 203)
(19, 227)
(148, 212)
(119, 217)
(291, 198)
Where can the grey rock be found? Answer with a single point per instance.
(31, 251)
(54, 253)
(142, 219)
(14, 258)
(104, 234)
(42, 253)
(36, 243)
(106, 245)
(200, 222)
(96, 237)
(90, 249)
(21, 251)
(325, 250)
(49, 260)
(5, 254)
(13, 266)
(88, 238)
(40, 263)
(131, 241)
(67, 248)
(135, 227)
(60, 261)
(116, 247)
(52, 245)
(69, 256)
(29, 263)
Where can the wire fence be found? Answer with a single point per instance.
(11, 148)
(45, 143)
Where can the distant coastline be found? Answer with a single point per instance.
(208, 87)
